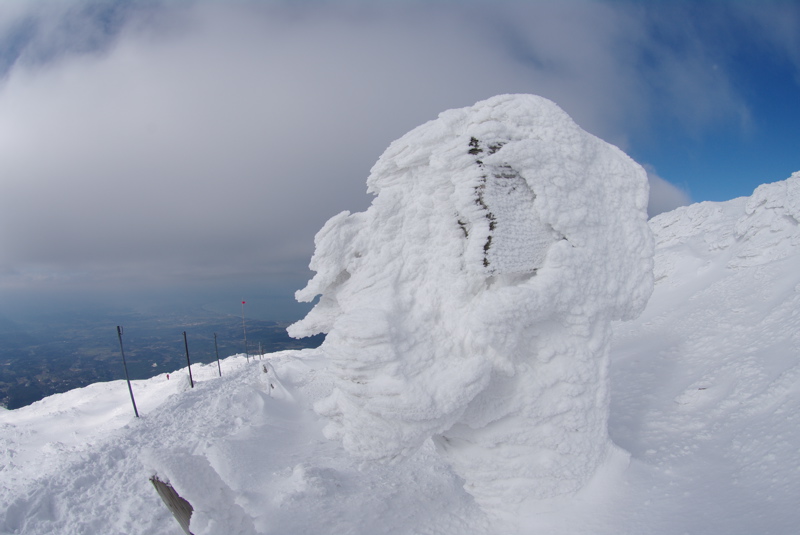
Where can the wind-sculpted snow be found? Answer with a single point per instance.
(472, 301)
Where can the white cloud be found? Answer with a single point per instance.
(215, 139)
(664, 196)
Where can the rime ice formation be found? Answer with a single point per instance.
(715, 350)
(472, 301)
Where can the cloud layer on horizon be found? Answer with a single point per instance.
(159, 144)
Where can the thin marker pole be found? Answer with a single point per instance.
(125, 365)
(186, 344)
(216, 350)
(244, 328)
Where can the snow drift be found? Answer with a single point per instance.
(472, 301)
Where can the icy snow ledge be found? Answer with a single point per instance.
(471, 302)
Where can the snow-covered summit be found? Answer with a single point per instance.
(472, 301)
(704, 396)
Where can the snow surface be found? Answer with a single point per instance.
(705, 395)
(472, 301)
(244, 449)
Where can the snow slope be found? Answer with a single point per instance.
(706, 383)
(705, 395)
(250, 457)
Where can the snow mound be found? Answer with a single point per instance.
(472, 301)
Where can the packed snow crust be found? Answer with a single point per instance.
(472, 301)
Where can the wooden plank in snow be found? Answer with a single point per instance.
(180, 508)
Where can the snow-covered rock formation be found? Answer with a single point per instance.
(704, 396)
(472, 301)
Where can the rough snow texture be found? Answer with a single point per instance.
(472, 301)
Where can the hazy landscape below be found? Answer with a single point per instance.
(49, 353)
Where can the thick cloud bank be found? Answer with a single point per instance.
(472, 301)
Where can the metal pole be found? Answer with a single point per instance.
(186, 344)
(216, 350)
(244, 328)
(260, 352)
(125, 365)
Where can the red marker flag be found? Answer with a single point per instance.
(242, 302)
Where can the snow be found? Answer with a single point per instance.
(705, 398)
(706, 383)
(250, 458)
(472, 301)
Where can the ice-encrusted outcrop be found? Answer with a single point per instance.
(472, 301)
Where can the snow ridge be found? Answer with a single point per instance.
(706, 381)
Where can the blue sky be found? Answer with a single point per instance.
(189, 151)
(756, 47)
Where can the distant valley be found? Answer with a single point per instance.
(59, 352)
